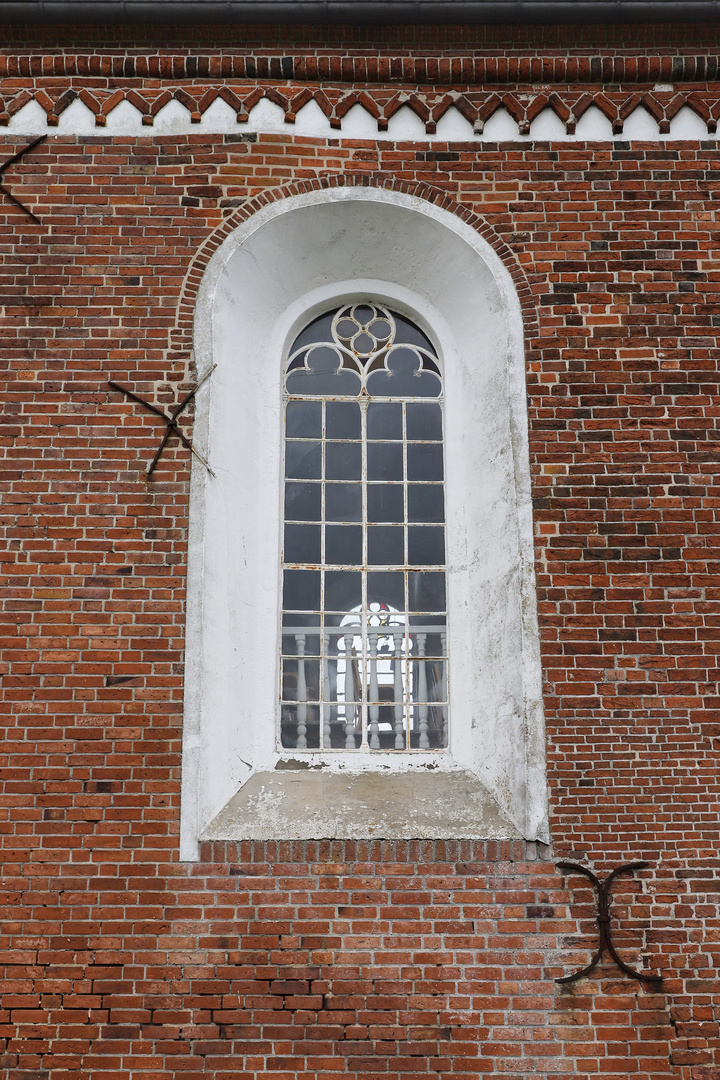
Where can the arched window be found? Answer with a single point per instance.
(341, 732)
(364, 635)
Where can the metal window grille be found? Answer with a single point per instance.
(364, 634)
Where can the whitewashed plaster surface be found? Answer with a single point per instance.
(289, 262)
(266, 116)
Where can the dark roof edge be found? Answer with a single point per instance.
(363, 11)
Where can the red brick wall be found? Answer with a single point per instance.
(310, 960)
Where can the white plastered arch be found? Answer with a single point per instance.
(291, 260)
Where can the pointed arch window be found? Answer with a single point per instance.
(364, 632)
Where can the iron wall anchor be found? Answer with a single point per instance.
(171, 421)
(11, 161)
(603, 920)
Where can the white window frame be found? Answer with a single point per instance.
(289, 262)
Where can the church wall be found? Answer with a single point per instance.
(317, 959)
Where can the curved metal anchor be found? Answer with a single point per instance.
(603, 921)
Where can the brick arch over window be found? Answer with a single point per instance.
(287, 263)
(181, 336)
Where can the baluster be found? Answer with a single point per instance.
(301, 743)
(374, 710)
(422, 692)
(444, 688)
(349, 695)
(398, 697)
(327, 707)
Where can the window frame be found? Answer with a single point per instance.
(299, 659)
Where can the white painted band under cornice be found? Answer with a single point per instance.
(266, 117)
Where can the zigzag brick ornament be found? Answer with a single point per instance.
(359, 608)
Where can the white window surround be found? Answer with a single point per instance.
(289, 262)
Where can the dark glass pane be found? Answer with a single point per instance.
(324, 374)
(319, 329)
(384, 420)
(346, 328)
(363, 313)
(424, 421)
(301, 590)
(403, 376)
(380, 329)
(406, 331)
(343, 545)
(300, 626)
(425, 461)
(434, 645)
(290, 680)
(385, 546)
(425, 502)
(302, 502)
(343, 590)
(303, 420)
(386, 588)
(303, 460)
(343, 461)
(302, 544)
(343, 502)
(426, 591)
(385, 502)
(364, 344)
(384, 461)
(342, 420)
(426, 547)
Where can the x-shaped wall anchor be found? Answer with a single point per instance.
(171, 421)
(603, 921)
(11, 161)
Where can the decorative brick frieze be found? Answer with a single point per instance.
(522, 105)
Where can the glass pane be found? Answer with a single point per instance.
(343, 545)
(304, 420)
(425, 461)
(342, 420)
(344, 681)
(385, 502)
(343, 590)
(302, 544)
(384, 420)
(291, 680)
(426, 546)
(403, 376)
(386, 588)
(406, 331)
(325, 377)
(302, 502)
(424, 421)
(343, 502)
(425, 502)
(303, 460)
(343, 461)
(426, 590)
(385, 546)
(298, 628)
(384, 461)
(301, 590)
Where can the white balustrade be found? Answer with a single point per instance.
(301, 743)
(374, 710)
(422, 692)
(376, 670)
